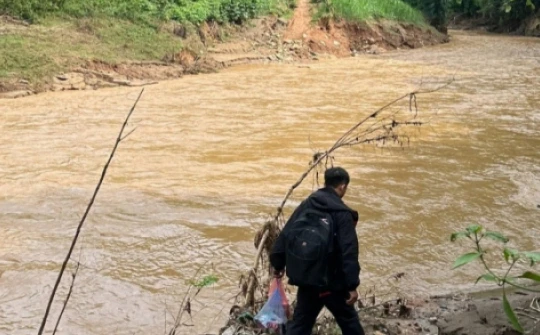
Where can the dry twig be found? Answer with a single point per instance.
(83, 219)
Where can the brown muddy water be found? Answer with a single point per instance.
(213, 155)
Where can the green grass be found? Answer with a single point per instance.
(146, 11)
(366, 10)
(67, 33)
(57, 44)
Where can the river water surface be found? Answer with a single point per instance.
(213, 155)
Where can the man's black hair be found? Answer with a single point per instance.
(336, 176)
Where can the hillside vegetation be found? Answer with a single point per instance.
(504, 15)
(366, 10)
(146, 11)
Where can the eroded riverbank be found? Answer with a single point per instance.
(66, 56)
(213, 155)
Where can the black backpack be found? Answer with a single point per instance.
(309, 242)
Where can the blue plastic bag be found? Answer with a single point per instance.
(273, 313)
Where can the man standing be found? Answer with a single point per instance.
(318, 248)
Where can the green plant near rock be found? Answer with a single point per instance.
(478, 234)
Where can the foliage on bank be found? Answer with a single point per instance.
(505, 278)
(509, 14)
(147, 11)
(366, 10)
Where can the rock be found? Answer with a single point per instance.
(304, 36)
(15, 94)
(282, 21)
(375, 50)
(78, 86)
(24, 82)
(336, 43)
(57, 88)
(91, 81)
(69, 81)
(229, 331)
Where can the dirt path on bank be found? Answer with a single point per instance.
(301, 21)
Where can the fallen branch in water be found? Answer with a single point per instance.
(379, 127)
(119, 139)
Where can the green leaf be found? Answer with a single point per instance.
(507, 8)
(487, 277)
(531, 275)
(465, 259)
(496, 236)
(509, 311)
(510, 253)
(534, 257)
(458, 235)
(474, 228)
(204, 282)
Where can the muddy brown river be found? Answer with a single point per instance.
(213, 155)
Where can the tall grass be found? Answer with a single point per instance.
(365, 10)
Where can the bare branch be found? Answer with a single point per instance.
(81, 223)
(73, 276)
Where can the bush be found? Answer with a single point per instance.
(503, 13)
(195, 11)
(363, 10)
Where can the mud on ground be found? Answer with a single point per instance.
(458, 314)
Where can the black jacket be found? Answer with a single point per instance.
(344, 261)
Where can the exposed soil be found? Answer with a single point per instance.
(445, 315)
(213, 47)
(300, 22)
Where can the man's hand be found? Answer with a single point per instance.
(278, 274)
(353, 297)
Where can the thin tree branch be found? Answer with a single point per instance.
(250, 296)
(347, 139)
(73, 276)
(83, 219)
(178, 319)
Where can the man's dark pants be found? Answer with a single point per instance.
(309, 303)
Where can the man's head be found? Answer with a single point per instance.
(338, 179)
